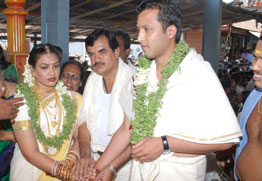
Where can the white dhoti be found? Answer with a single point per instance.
(171, 168)
(179, 168)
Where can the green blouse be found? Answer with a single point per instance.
(11, 72)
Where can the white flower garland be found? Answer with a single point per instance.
(28, 77)
(142, 76)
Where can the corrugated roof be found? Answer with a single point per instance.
(86, 15)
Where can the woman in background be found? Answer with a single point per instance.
(71, 75)
(7, 138)
(10, 71)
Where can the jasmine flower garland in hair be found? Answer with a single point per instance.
(25, 87)
(28, 78)
(147, 105)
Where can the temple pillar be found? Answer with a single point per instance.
(212, 32)
(55, 24)
(15, 14)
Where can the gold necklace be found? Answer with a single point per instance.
(51, 118)
(60, 115)
(53, 123)
(45, 105)
(48, 97)
(46, 101)
(47, 90)
(51, 115)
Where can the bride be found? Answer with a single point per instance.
(45, 126)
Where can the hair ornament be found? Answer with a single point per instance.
(47, 51)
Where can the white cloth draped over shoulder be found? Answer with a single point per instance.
(88, 112)
(21, 169)
(196, 109)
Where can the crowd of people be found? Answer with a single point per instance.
(154, 121)
(236, 77)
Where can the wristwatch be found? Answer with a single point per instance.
(165, 145)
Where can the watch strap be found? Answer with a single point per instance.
(165, 144)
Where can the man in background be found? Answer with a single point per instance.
(123, 40)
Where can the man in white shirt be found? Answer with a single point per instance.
(101, 114)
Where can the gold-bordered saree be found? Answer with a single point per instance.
(21, 169)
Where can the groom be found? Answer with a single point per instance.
(185, 121)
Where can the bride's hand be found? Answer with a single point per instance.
(64, 162)
(84, 168)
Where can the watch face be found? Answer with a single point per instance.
(165, 144)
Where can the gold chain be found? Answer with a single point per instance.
(52, 116)
(49, 116)
(49, 99)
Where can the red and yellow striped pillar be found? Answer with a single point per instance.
(15, 14)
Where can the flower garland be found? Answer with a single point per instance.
(25, 88)
(147, 105)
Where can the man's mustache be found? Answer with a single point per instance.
(98, 63)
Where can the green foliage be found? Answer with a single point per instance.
(144, 62)
(147, 107)
(33, 112)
